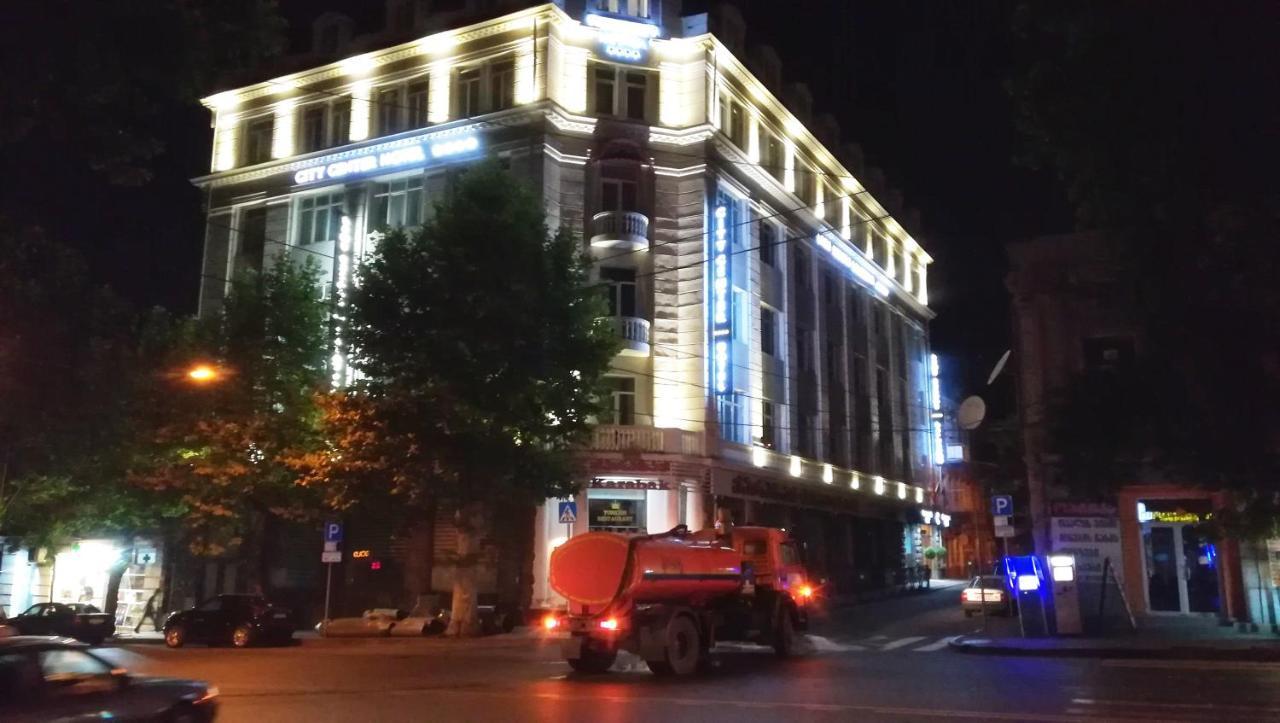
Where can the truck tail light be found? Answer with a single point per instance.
(804, 592)
(609, 624)
(550, 622)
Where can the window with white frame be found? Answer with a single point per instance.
(312, 135)
(319, 218)
(634, 8)
(416, 102)
(620, 291)
(390, 111)
(768, 425)
(340, 122)
(502, 85)
(622, 92)
(620, 400)
(258, 134)
(768, 244)
(396, 204)
(468, 92)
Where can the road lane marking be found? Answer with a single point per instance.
(902, 642)
(1233, 707)
(934, 646)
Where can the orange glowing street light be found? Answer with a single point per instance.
(203, 374)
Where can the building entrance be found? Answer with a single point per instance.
(1181, 567)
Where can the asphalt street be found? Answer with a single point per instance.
(886, 660)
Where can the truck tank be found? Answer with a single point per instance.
(599, 567)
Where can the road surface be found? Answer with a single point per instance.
(882, 661)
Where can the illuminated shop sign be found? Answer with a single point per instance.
(854, 261)
(721, 326)
(623, 39)
(935, 391)
(372, 162)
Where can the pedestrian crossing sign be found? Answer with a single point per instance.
(568, 512)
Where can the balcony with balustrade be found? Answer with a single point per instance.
(632, 333)
(629, 438)
(622, 230)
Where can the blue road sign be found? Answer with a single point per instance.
(1002, 504)
(568, 512)
(333, 532)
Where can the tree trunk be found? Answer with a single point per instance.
(464, 622)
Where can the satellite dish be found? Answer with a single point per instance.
(999, 367)
(971, 412)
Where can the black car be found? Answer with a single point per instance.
(72, 620)
(241, 620)
(57, 679)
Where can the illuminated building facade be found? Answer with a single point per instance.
(772, 310)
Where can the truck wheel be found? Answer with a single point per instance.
(784, 635)
(593, 661)
(684, 649)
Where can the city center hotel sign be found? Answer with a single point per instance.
(374, 161)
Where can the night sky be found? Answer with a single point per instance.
(918, 84)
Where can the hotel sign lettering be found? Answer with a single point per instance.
(374, 161)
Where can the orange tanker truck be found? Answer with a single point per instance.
(668, 598)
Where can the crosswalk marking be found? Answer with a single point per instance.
(902, 642)
(931, 647)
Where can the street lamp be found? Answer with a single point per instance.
(203, 374)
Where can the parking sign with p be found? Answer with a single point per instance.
(1001, 505)
(333, 532)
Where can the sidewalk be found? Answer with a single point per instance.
(1164, 638)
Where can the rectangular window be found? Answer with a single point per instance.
(502, 85)
(634, 8)
(801, 271)
(416, 98)
(637, 95)
(617, 195)
(339, 122)
(396, 204)
(389, 112)
(774, 157)
(606, 77)
(251, 240)
(620, 288)
(768, 243)
(319, 218)
(469, 92)
(313, 128)
(768, 331)
(620, 404)
(828, 289)
(804, 350)
(737, 124)
(768, 425)
(257, 140)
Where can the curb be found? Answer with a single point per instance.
(1185, 652)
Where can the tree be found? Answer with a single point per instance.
(480, 355)
(69, 362)
(219, 449)
(1158, 125)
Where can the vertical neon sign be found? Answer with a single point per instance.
(721, 324)
(935, 388)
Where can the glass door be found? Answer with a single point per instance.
(1182, 573)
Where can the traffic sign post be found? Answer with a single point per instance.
(1002, 519)
(330, 556)
(568, 516)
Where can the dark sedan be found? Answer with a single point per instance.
(56, 679)
(240, 620)
(72, 620)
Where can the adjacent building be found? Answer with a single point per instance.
(772, 308)
(1076, 312)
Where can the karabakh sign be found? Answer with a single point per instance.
(396, 158)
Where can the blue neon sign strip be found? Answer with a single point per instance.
(721, 319)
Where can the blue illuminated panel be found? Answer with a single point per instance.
(721, 317)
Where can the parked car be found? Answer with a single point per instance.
(241, 620)
(72, 620)
(989, 592)
(56, 679)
